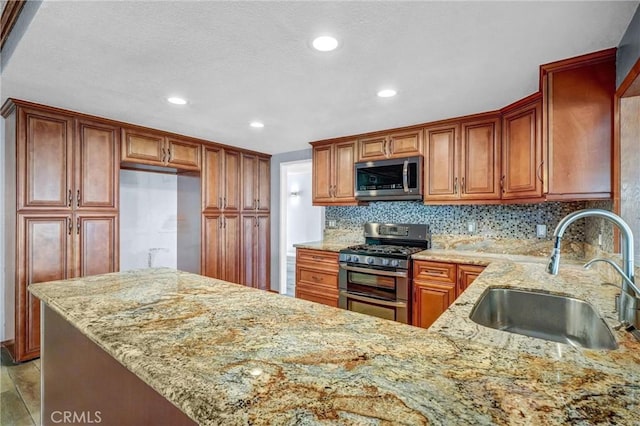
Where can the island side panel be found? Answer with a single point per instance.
(84, 383)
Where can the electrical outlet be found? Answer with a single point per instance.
(471, 227)
(541, 231)
(331, 224)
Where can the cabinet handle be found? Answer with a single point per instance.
(164, 155)
(78, 198)
(502, 183)
(316, 257)
(313, 277)
(220, 222)
(220, 202)
(539, 171)
(70, 197)
(70, 224)
(224, 203)
(455, 185)
(168, 155)
(384, 148)
(462, 186)
(78, 225)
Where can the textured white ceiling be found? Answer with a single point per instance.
(242, 61)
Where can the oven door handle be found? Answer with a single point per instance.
(346, 267)
(372, 300)
(405, 176)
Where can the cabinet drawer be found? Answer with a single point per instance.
(434, 271)
(312, 296)
(323, 259)
(316, 277)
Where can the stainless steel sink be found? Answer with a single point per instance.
(545, 316)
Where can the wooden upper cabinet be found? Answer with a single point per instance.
(255, 183)
(333, 173)
(522, 149)
(158, 149)
(97, 151)
(143, 147)
(480, 159)
(578, 98)
(400, 144)
(45, 160)
(463, 160)
(182, 155)
(221, 179)
(441, 169)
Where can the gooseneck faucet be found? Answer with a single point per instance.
(628, 300)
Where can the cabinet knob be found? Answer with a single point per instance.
(70, 197)
(455, 185)
(78, 198)
(78, 225)
(462, 186)
(70, 224)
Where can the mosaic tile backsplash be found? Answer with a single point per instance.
(513, 221)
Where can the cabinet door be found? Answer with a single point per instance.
(182, 154)
(212, 184)
(466, 275)
(44, 160)
(96, 244)
(441, 169)
(321, 172)
(249, 242)
(97, 152)
(44, 254)
(231, 181)
(249, 172)
(405, 144)
(480, 160)
(343, 171)
(430, 301)
(579, 120)
(230, 248)
(262, 256)
(263, 187)
(212, 242)
(143, 147)
(522, 152)
(375, 148)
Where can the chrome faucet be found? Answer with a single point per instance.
(628, 300)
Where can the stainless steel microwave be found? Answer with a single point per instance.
(388, 180)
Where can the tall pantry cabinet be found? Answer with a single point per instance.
(62, 218)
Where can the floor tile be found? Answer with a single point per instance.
(6, 384)
(26, 378)
(36, 362)
(13, 411)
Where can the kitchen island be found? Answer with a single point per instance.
(226, 354)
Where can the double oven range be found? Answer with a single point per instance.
(375, 277)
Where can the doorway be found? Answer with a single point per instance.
(300, 221)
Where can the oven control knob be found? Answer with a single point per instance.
(347, 258)
(355, 259)
(370, 260)
(395, 263)
(385, 262)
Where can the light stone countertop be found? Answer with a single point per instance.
(227, 354)
(325, 245)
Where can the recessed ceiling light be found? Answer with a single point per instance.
(256, 124)
(325, 43)
(176, 101)
(387, 93)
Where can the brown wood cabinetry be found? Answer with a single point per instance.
(221, 179)
(255, 183)
(255, 259)
(463, 160)
(317, 276)
(400, 144)
(65, 223)
(435, 287)
(522, 149)
(221, 246)
(158, 149)
(333, 173)
(578, 125)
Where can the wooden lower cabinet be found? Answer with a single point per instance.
(57, 246)
(255, 260)
(317, 276)
(436, 285)
(221, 247)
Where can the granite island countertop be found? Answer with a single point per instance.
(227, 354)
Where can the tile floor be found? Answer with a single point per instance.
(19, 392)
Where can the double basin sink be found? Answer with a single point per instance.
(545, 316)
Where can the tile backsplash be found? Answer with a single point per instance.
(513, 221)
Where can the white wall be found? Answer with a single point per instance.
(304, 221)
(2, 232)
(148, 220)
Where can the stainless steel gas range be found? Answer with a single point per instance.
(375, 277)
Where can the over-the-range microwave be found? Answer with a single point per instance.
(388, 180)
